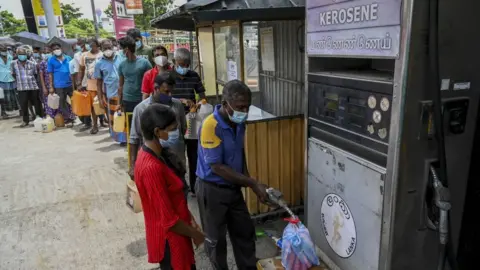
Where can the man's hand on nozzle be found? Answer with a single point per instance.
(261, 192)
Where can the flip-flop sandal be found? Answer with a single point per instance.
(94, 130)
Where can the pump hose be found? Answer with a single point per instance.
(438, 122)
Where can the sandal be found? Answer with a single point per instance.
(94, 130)
(24, 124)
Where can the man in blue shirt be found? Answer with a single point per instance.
(221, 174)
(58, 67)
(108, 81)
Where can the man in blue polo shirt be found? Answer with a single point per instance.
(58, 67)
(221, 174)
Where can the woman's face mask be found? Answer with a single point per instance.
(138, 44)
(88, 47)
(237, 116)
(22, 57)
(173, 137)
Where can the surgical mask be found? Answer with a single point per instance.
(173, 137)
(115, 48)
(138, 44)
(237, 117)
(45, 56)
(181, 70)
(36, 55)
(22, 57)
(161, 60)
(87, 47)
(78, 48)
(108, 53)
(3, 53)
(57, 52)
(164, 99)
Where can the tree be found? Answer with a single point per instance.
(108, 11)
(151, 8)
(70, 12)
(83, 28)
(11, 25)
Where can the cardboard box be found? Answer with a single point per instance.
(133, 198)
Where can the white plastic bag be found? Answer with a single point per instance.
(53, 101)
(298, 250)
(37, 124)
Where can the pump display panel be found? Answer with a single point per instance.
(357, 111)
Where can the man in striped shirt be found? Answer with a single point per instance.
(187, 85)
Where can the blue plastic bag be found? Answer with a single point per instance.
(298, 250)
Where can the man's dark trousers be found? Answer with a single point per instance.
(222, 208)
(192, 151)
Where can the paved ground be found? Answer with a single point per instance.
(62, 204)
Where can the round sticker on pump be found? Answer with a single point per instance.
(338, 225)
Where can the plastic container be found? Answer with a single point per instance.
(119, 122)
(53, 101)
(81, 104)
(59, 121)
(192, 126)
(97, 108)
(204, 111)
(48, 125)
(37, 124)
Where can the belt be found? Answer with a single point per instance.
(219, 185)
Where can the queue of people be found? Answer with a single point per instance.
(128, 76)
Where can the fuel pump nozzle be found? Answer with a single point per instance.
(276, 196)
(442, 201)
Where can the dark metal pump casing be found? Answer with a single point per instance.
(414, 246)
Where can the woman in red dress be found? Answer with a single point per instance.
(169, 226)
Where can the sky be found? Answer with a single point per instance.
(15, 6)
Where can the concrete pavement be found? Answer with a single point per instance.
(62, 203)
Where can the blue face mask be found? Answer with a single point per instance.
(3, 53)
(22, 57)
(173, 137)
(87, 47)
(237, 117)
(164, 99)
(78, 48)
(36, 55)
(138, 44)
(181, 70)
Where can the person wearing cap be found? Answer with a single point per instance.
(164, 85)
(161, 64)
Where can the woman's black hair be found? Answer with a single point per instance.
(160, 47)
(53, 44)
(127, 42)
(134, 33)
(94, 40)
(156, 116)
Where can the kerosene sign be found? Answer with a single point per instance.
(363, 28)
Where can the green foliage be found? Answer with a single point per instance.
(143, 21)
(70, 12)
(83, 28)
(11, 25)
(108, 11)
